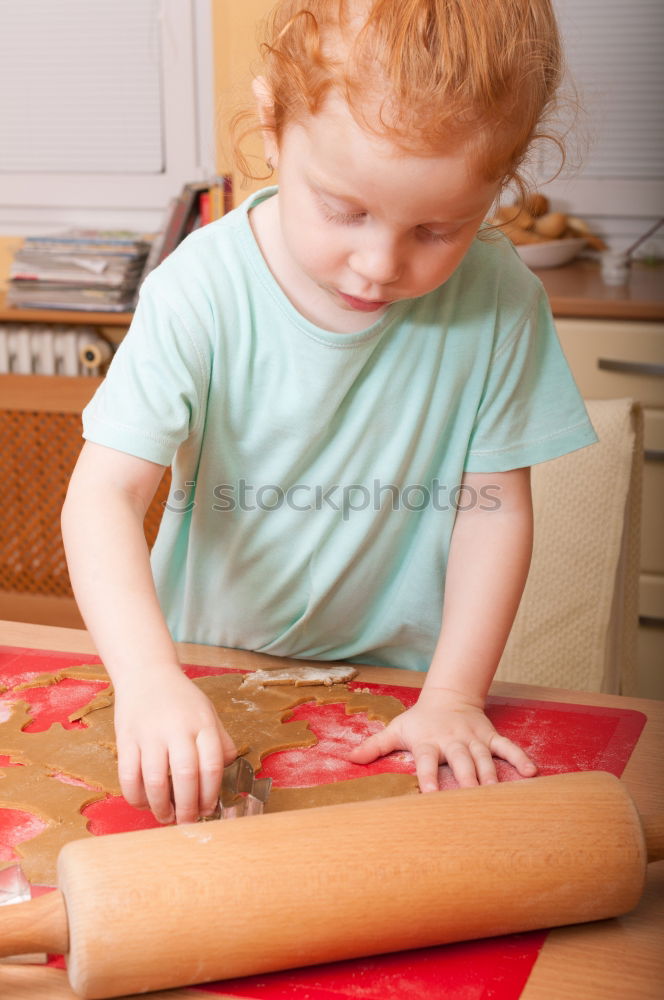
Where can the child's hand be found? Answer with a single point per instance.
(442, 727)
(172, 747)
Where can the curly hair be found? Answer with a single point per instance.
(425, 74)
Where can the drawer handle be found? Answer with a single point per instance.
(652, 455)
(649, 622)
(630, 367)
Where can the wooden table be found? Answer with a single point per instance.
(621, 958)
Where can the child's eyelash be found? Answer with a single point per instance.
(437, 237)
(349, 218)
(345, 218)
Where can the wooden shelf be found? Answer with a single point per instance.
(71, 317)
(47, 393)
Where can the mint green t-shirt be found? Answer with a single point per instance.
(316, 474)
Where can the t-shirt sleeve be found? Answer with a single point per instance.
(531, 410)
(153, 395)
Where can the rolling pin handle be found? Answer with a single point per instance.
(36, 926)
(653, 831)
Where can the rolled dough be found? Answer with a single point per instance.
(255, 710)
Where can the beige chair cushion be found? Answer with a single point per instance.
(577, 623)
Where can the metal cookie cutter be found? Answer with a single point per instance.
(15, 888)
(242, 794)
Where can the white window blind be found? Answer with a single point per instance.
(614, 51)
(106, 110)
(616, 175)
(80, 86)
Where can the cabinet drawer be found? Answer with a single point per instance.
(611, 358)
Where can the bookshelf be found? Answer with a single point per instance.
(40, 428)
(111, 326)
(40, 438)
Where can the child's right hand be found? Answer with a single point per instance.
(172, 747)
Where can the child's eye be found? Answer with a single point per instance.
(343, 218)
(432, 237)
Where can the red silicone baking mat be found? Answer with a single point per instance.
(559, 737)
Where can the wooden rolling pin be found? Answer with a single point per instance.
(193, 903)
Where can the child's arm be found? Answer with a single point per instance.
(487, 569)
(162, 720)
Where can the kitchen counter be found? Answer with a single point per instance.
(577, 290)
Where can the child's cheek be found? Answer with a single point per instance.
(320, 251)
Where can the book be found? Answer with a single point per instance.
(182, 217)
(204, 207)
(89, 240)
(197, 204)
(40, 295)
(75, 268)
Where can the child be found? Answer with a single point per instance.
(351, 387)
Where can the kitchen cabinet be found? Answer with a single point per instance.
(614, 342)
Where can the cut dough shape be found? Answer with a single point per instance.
(305, 676)
(84, 672)
(31, 789)
(83, 754)
(255, 713)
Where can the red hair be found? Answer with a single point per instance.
(423, 73)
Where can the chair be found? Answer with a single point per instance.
(577, 623)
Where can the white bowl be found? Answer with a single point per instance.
(552, 253)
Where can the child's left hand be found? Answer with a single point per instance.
(445, 727)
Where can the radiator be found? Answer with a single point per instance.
(52, 350)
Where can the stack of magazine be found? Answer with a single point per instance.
(100, 270)
(87, 269)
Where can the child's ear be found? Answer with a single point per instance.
(265, 108)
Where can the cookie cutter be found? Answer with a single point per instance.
(15, 888)
(242, 793)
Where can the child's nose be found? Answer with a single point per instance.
(380, 264)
